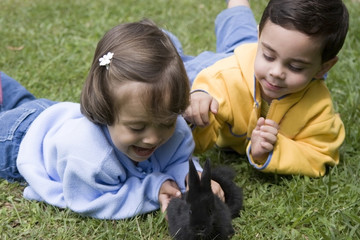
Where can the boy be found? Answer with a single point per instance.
(269, 99)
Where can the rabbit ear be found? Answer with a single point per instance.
(194, 180)
(206, 177)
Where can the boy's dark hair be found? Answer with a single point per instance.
(327, 20)
(142, 53)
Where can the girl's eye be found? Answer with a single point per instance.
(137, 129)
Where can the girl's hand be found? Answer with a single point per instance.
(169, 189)
(217, 190)
(200, 105)
(263, 139)
(215, 186)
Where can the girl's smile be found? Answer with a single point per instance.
(135, 133)
(143, 152)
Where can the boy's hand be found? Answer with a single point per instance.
(200, 105)
(263, 139)
(169, 189)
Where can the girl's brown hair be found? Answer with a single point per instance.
(143, 53)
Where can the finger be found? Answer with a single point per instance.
(272, 123)
(269, 129)
(217, 190)
(164, 206)
(269, 137)
(204, 112)
(172, 190)
(267, 146)
(214, 106)
(164, 202)
(221, 195)
(196, 115)
(261, 121)
(187, 114)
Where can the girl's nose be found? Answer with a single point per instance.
(152, 137)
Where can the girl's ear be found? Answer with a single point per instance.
(325, 67)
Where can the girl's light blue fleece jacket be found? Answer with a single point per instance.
(71, 162)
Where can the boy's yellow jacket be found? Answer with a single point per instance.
(310, 131)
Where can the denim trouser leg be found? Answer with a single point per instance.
(233, 27)
(18, 111)
(13, 94)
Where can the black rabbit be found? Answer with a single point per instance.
(200, 214)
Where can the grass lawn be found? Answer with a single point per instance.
(48, 46)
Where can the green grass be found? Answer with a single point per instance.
(48, 46)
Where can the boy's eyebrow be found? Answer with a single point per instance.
(293, 59)
(268, 46)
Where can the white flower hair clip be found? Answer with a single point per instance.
(106, 59)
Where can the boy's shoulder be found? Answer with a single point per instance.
(245, 55)
(317, 89)
(246, 49)
(242, 61)
(314, 98)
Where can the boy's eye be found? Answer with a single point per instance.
(268, 58)
(295, 69)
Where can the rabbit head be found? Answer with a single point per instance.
(199, 214)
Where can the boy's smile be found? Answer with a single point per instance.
(286, 61)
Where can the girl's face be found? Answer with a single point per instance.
(135, 133)
(286, 61)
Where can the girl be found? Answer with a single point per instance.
(124, 149)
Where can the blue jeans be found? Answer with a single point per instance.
(18, 110)
(233, 27)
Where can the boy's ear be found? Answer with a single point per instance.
(325, 67)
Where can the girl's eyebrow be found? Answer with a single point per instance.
(134, 122)
(298, 60)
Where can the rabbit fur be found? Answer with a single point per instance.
(200, 214)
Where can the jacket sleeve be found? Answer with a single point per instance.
(310, 151)
(175, 154)
(118, 195)
(105, 192)
(212, 81)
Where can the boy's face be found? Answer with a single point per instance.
(286, 61)
(134, 133)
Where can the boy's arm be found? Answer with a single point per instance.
(202, 104)
(209, 83)
(315, 147)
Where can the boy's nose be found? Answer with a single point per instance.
(277, 71)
